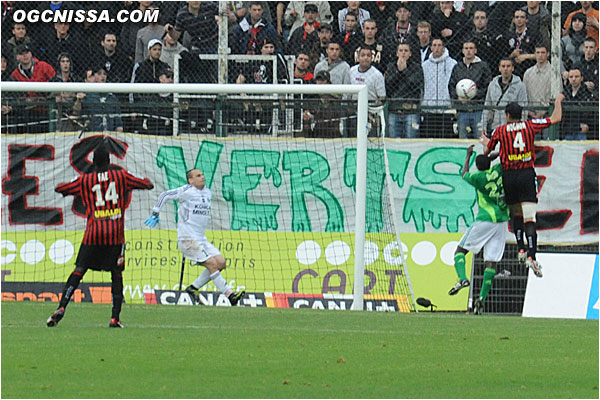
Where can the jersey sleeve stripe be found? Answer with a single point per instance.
(173, 194)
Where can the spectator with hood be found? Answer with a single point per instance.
(572, 43)
(437, 70)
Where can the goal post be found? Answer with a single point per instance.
(357, 92)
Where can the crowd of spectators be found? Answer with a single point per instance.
(410, 54)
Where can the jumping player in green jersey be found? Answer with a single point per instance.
(489, 229)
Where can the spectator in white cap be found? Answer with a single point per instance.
(153, 30)
(149, 70)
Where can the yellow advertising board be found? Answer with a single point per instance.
(270, 262)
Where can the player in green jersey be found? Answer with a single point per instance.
(489, 229)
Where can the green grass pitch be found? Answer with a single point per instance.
(218, 352)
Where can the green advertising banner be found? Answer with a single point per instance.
(282, 211)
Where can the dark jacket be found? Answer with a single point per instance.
(262, 71)
(301, 41)
(72, 44)
(149, 70)
(118, 66)
(589, 69)
(325, 119)
(12, 43)
(491, 47)
(349, 41)
(389, 35)
(404, 88)
(478, 71)
(458, 23)
(526, 44)
(248, 39)
(573, 116)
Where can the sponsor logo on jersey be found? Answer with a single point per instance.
(113, 213)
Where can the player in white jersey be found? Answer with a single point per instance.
(194, 216)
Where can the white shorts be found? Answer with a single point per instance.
(197, 250)
(489, 235)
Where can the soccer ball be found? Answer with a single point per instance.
(466, 89)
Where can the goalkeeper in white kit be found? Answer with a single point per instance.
(194, 216)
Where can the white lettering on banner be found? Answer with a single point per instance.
(429, 192)
(79, 16)
(300, 304)
(252, 301)
(133, 292)
(167, 298)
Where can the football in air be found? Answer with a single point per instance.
(466, 89)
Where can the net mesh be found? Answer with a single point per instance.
(282, 173)
(179, 125)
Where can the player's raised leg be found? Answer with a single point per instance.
(68, 290)
(459, 266)
(518, 227)
(529, 211)
(200, 281)
(215, 265)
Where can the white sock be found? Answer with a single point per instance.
(220, 283)
(202, 279)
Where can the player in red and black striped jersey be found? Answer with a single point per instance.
(106, 194)
(517, 156)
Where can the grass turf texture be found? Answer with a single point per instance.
(217, 352)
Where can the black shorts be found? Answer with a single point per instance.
(101, 258)
(520, 186)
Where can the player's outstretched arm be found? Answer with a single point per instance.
(484, 141)
(68, 188)
(174, 194)
(465, 167)
(557, 113)
(134, 182)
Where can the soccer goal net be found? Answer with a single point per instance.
(300, 181)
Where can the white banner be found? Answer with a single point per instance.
(294, 185)
(568, 289)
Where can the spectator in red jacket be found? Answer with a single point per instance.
(29, 69)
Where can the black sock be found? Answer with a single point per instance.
(517, 227)
(117, 293)
(70, 287)
(531, 239)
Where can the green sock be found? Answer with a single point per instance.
(488, 277)
(459, 266)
